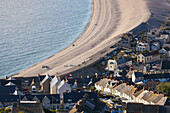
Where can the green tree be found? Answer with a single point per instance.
(92, 88)
(164, 88)
(145, 51)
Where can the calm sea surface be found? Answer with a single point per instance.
(33, 30)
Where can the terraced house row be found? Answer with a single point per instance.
(130, 92)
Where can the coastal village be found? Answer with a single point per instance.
(135, 78)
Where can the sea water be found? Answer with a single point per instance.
(33, 30)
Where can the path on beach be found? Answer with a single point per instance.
(110, 19)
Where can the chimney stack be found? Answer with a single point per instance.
(96, 75)
(111, 76)
(75, 81)
(66, 79)
(6, 77)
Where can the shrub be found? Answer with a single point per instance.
(164, 88)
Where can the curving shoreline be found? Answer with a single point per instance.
(110, 18)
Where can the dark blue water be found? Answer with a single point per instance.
(33, 30)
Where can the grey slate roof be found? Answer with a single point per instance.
(7, 90)
(123, 60)
(134, 107)
(9, 98)
(76, 96)
(4, 82)
(150, 109)
(27, 108)
(146, 54)
(138, 74)
(165, 65)
(156, 76)
(87, 105)
(141, 108)
(83, 81)
(150, 53)
(53, 97)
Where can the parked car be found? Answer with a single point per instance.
(46, 67)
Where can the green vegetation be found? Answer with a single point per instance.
(145, 51)
(104, 96)
(164, 88)
(54, 111)
(92, 88)
(165, 28)
(62, 110)
(5, 110)
(134, 59)
(116, 100)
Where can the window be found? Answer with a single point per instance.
(58, 106)
(43, 104)
(69, 100)
(54, 106)
(48, 105)
(111, 63)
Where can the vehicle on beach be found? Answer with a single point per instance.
(46, 67)
(68, 65)
(88, 59)
(84, 62)
(113, 46)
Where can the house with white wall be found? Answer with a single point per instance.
(148, 57)
(112, 65)
(110, 85)
(137, 76)
(54, 85)
(100, 85)
(141, 46)
(117, 89)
